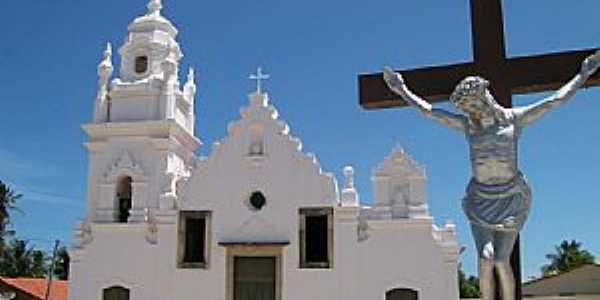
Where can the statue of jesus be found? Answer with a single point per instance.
(498, 196)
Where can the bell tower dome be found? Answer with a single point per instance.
(150, 49)
(147, 87)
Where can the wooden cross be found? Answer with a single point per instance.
(259, 77)
(508, 76)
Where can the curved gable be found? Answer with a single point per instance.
(258, 154)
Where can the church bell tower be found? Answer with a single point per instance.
(141, 140)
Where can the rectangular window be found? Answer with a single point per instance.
(194, 229)
(316, 237)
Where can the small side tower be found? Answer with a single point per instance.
(141, 140)
(399, 188)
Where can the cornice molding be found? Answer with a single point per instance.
(152, 129)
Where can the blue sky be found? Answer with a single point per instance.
(313, 50)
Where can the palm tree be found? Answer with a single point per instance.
(8, 199)
(567, 256)
(61, 266)
(19, 260)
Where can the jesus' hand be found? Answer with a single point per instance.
(591, 64)
(392, 79)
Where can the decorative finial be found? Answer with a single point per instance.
(189, 88)
(349, 174)
(349, 193)
(259, 77)
(154, 7)
(398, 149)
(107, 52)
(191, 75)
(105, 68)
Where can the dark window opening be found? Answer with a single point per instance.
(316, 238)
(401, 294)
(124, 208)
(124, 200)
(195, 232)
(115, 293)
(141, 64)
(193, 239)
(258, 200)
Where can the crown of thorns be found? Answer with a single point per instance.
(469, 87)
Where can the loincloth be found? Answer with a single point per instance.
(498, 207)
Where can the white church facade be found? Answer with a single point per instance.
(255, 220)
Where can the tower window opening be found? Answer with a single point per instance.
(141, 64)
(124, 192)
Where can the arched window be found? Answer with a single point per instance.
(115, 293)
(402, 294)
(123, 199)
(141, 64)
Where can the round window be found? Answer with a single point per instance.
(257, 200)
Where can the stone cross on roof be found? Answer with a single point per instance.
(259, 77)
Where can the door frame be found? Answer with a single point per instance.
(253, 250)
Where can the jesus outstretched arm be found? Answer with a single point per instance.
(396, 83)
(530, 113)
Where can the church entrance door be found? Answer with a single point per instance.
(254, 278)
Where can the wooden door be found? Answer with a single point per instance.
(254, 278)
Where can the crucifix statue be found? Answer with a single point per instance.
(498, 197)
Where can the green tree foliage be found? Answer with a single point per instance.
(17, 258)
(61, 266)
(567, 256)
(20, 260)
(8, 200)
(468, 287)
